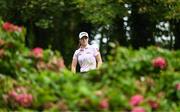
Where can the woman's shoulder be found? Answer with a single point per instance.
(77, 51)
(94, 47)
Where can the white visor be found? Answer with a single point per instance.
(83, 34)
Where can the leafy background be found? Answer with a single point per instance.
(131, 80)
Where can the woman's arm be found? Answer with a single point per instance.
(73, 65)
(99, 60)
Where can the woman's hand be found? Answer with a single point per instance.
(73, 65)
(99, 60)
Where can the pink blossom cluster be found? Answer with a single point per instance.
(137, 99)
(178, 86)
(56, 64)
(154, 105)
(104, 104)
(7, 26)
(159, 62)
(60, 63)
(138, 109)
(37, 52)
(20, 97)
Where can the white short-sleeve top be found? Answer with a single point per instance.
(86, 57)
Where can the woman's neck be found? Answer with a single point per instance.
(83, 46)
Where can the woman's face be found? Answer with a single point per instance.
(84, 41)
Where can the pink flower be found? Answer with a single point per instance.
(178, 86)
(17, 28)
(41, 65)
(138, 109)
(24, 100)
(7, 26)
(153, 104)
(104, 104)
(12, 94)
(19, 97)
(60, 63)
(37, 52)
(136, 99)
(159, 62)
(11, 27)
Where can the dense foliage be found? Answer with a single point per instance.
(57, 22)
(17, 59)
(36, 80)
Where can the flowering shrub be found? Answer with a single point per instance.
(18, 59)
(154, 104)
(12, 33)
(178, 86)
(112, 88)
(138, 109)
(104, 104)
(7, 26)
(159, 62)
(128, 81)
(37, 52)
(136, 100)
(54, 63)
(19, 97)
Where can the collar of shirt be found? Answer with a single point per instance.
(82, 49)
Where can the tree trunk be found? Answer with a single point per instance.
(141, 29)
(119, 32)
(176, 32)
